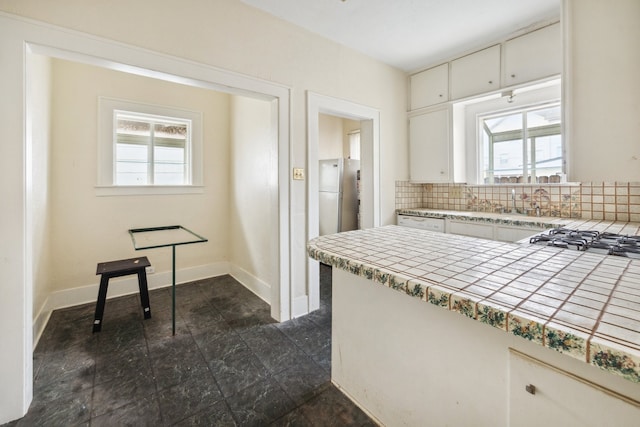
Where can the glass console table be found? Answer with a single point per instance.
(161, 237)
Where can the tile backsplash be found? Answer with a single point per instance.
(613, 201)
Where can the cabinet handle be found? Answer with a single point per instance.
(530, 388)
(513, 76)
(440, 95)
(490, 82)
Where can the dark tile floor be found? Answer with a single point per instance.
(228, 364)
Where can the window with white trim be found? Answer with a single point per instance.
(151, 150)
(522, 146)
(148, 149)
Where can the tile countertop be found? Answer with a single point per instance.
(585, 305)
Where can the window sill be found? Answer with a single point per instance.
(147, 190)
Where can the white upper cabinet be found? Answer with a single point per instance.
(533, 56)
(430, 148)
(429, 87)
(476, 73)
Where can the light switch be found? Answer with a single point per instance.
(298, 174)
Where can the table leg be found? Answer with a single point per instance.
(173, 286)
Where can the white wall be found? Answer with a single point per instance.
(253, 207)
(86, 228)
(602, 65)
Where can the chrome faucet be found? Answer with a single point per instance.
(513, 201)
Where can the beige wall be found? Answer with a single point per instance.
(86, 228)
(333, 136)
(330, 137)
(603, 104)
(253, 207)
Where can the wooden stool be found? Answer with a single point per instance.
(119, 268)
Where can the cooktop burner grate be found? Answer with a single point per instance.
(582, 240)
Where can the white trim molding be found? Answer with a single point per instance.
(369, 171)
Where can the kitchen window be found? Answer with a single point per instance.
(521, 146)
(148, 149)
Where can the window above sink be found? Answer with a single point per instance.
(521, 146)
(513, 137)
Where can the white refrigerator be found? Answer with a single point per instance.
(338, 193)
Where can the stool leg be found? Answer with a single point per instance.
(102, 297)
(144, 293)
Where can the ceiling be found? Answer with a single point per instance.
(412, 34)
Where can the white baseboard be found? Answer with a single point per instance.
(120, 287)
(251, 282)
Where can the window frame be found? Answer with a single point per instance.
(106, 172)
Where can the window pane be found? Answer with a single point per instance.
(132, 164)
(169, 166)
(548, 155)
(354, 145)
(133, 127)
(506, 123)
(176, 132)
(507, 158)
(543, 117)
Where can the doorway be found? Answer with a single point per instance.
(369, 119)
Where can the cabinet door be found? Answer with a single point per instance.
(533, 56)
(430, 147)
(429, 87)
(514, 234)
(483, 231)
(476, 73)
(562, 399)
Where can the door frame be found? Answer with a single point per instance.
(369, 172)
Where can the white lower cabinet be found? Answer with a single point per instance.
(505, 233)
(542, 395)
(471, 229)
(501, 233)
(423, 223)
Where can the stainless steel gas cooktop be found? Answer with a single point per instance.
(589, 240)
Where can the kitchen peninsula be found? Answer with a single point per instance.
(466, 331)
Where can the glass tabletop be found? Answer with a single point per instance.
(159, 237)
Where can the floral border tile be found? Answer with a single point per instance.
(566, 341)
(464, 304)
(417, 289)
(492, 315)
(381, 276)
(607, 356)
(438, 296)
(398, 283)
(526, 326)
